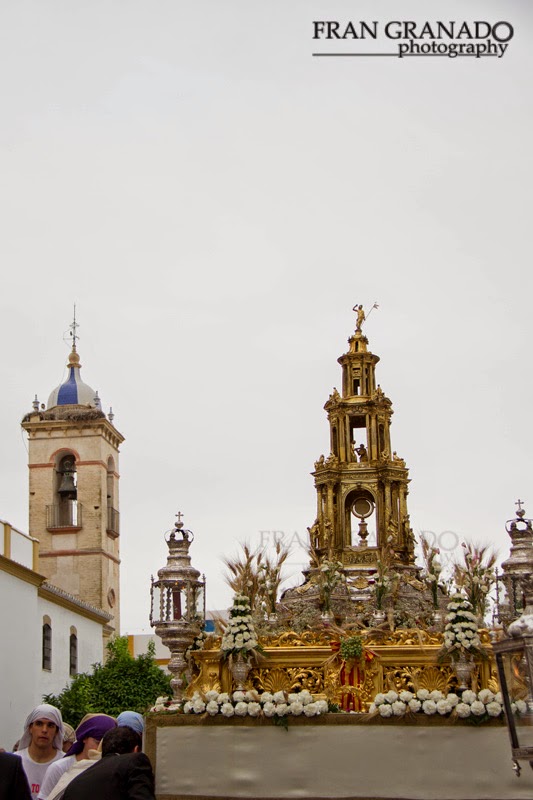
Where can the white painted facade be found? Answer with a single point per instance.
(26, 601)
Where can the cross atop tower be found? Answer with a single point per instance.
(73, 329)
(521, 511)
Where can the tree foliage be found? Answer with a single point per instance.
(121, 683)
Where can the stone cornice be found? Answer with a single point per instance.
(33, 424)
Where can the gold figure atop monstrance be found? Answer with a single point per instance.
(361, 317)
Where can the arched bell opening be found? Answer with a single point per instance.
(64, 512)
(360, 517)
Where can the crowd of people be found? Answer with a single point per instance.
(102, 758)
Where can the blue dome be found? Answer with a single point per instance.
(73, 391)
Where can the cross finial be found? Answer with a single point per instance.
(73, 329)
(179, 523)
(521, 511)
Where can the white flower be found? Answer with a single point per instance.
(452, 699)
(269, 709)
(494, 709)
(429, 707)
(521, 706)
(405, 697)
(293, 697)
(238, 697)
(306, 697)
(379, 698)
(462, 710)
(227, 710)
(223, 698)
(161, 701)
(414, 704)
(423, 694)
(266, 697)
(443, 706)
(212, 708)
(282, 709)
(468, 697)
(385, 710)
(311, 710)
(254, 709)
(279, 697)
(477, 708)
(322, 706)
(211, 695)
(398, 708)
(198, 706)
(296, 708)
(436, 696)
(373, 708)
(486, 696)
(498, 698)
(391, 697)
(241, 709)
(251, 696)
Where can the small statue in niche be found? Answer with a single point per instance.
(362, 453)
(409, 536)
(328, 538)
(314, 534)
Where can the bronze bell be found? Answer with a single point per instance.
(67, 488)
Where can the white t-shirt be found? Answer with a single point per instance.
(34, 770)
(53, 774)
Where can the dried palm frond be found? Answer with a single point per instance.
(270, 577)
(243, 577)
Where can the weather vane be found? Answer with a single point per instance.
(73, 331)
(361, 317)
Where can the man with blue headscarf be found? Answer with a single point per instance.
(41, 744)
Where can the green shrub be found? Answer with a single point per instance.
(121, 683)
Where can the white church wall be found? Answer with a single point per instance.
(20, 655)
(26, 604)
(64, 622)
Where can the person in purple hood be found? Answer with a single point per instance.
(89, 733)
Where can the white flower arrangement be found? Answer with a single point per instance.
(483, 705)
(240, 637)
(251, 704)
(461, 630)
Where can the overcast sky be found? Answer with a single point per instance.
(215, 200)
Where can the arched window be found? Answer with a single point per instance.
(47, 643)
(73, 652)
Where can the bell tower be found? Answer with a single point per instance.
(73, 491)
(362, 485)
